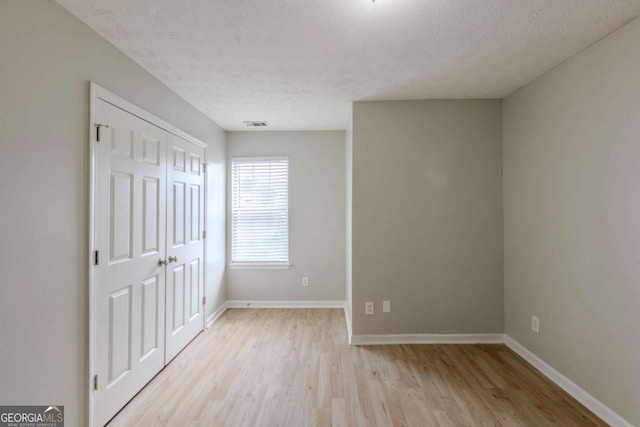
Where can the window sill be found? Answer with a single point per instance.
(258, 266)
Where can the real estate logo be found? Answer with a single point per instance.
(32, 416)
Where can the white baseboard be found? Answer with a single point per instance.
(590, 402)
(594, 405)
(216, 314)
(382, 339)
(284, 304)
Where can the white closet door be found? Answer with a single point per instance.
(185, 246)
(130, 225)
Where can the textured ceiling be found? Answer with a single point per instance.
(299, 63)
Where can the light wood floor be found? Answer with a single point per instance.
(278, 367)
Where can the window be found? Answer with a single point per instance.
(260, 211)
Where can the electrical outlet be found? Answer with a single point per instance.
(305, 281)
(368, 307)
(386, 306)
(535, 324)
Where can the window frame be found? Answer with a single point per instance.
(259, 265)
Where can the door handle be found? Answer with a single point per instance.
(162, 262)
(173, 259)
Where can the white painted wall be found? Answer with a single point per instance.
(427, 216)
(48, 59)
(572, 219)
(316, 217)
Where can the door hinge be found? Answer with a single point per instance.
(98, 126)
(204, 234)
(204, 300)
(204, 167)
(96, 257)
(95, 382)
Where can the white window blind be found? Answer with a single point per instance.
(260, 210)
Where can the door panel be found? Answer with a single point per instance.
(185, 215)
(177, 303)
(130, 234)
(121, 216)
(151, 322)
(194, 291)
(196, 221)
(120, 332)
(150, 215)
(179, 214)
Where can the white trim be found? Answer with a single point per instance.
(205, 167)
(258, 266)
(239, 265)
(383, 339)
(113, 99)
(92, 195)
(216, 314)
(254, 159)
(594, 405)
(284, 304)
(347, 316)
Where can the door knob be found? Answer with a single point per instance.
(162, 262)
(173, 258)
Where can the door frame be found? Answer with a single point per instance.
(97, 92)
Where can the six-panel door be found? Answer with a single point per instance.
(185, 246)
(149, 212)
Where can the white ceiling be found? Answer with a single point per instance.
(299, 63)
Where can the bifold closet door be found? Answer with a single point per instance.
(185, 244)
(130, 235)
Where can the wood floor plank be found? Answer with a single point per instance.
(293, 367)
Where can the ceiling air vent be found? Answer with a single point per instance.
(252, 124)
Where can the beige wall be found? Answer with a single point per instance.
(48, 59)
(572, 218)
(427, 216)
(316, 217)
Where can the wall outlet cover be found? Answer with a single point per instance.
(386, 306)
(535, 324)
(368, 307)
